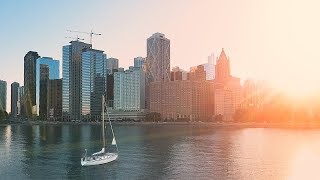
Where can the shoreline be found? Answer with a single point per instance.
(206, 124)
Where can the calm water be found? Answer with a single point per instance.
(162, 152)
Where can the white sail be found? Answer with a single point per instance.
(114, 141)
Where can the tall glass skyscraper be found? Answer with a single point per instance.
(93, 81)
(71, 79)
(3, 95)
(54, 72)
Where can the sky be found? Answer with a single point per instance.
(276, 40)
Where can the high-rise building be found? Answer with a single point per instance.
(157, 61)
(227, 89)
(30, 61)
(129, 90)
(53, 73)
(158, 58)
(139, 62)
(71, 79)
(209, 67)
(43, 90)
(55, 100)
(112, 65)
(93, 83)
(3, 95)
(20, 103)
(14, 98)
(222, 72)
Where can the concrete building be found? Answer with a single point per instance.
(157, 61)
(3, 95)
(182, 99)
(55, 100)
(129, 90)
(30, 61)
(14, 98)
(71, 79)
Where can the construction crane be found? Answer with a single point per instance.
(74, 38)
(90, 33)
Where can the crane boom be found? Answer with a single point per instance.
(90, 34)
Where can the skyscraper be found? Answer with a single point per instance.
(139, 62)
(209, 67)
(43, 90)
(112, 65)
(20, 103)
(71, 82)
(53, 73)
(157, 61)
(3, 95)
(30, 60)
(129, 90)
(93, 83)
(227, 89)
(14, 98)
(55, 99)
(158, 58)
(222, 72)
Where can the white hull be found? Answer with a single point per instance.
(100, 159)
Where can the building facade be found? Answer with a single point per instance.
(129, 90)
(187, 100)
(43, 91)
(42, 76)
(14, 98)
(71, 79)
(3, 95)
(93, 83)
(227, 89)
(30, 61)
(209, 68)
(112, 65)
(157, 61)
(20, 103)
(55, 100)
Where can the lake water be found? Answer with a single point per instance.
(160, 152)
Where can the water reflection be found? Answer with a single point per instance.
(163, 152)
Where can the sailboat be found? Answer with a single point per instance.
(101, 157)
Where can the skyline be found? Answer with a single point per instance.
(279, 47)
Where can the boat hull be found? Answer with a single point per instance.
(97, 160)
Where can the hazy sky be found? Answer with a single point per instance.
(273, 40)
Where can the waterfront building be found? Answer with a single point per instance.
(182, 99)
(227, 89)
(30, 61)
(20, 102)
(129, 89)
(46, 68)
(157, 61)
(14, 98)
(3, 95)
(93, 83)
(55, 100)
(71, 79)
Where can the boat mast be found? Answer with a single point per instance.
(103, 135)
